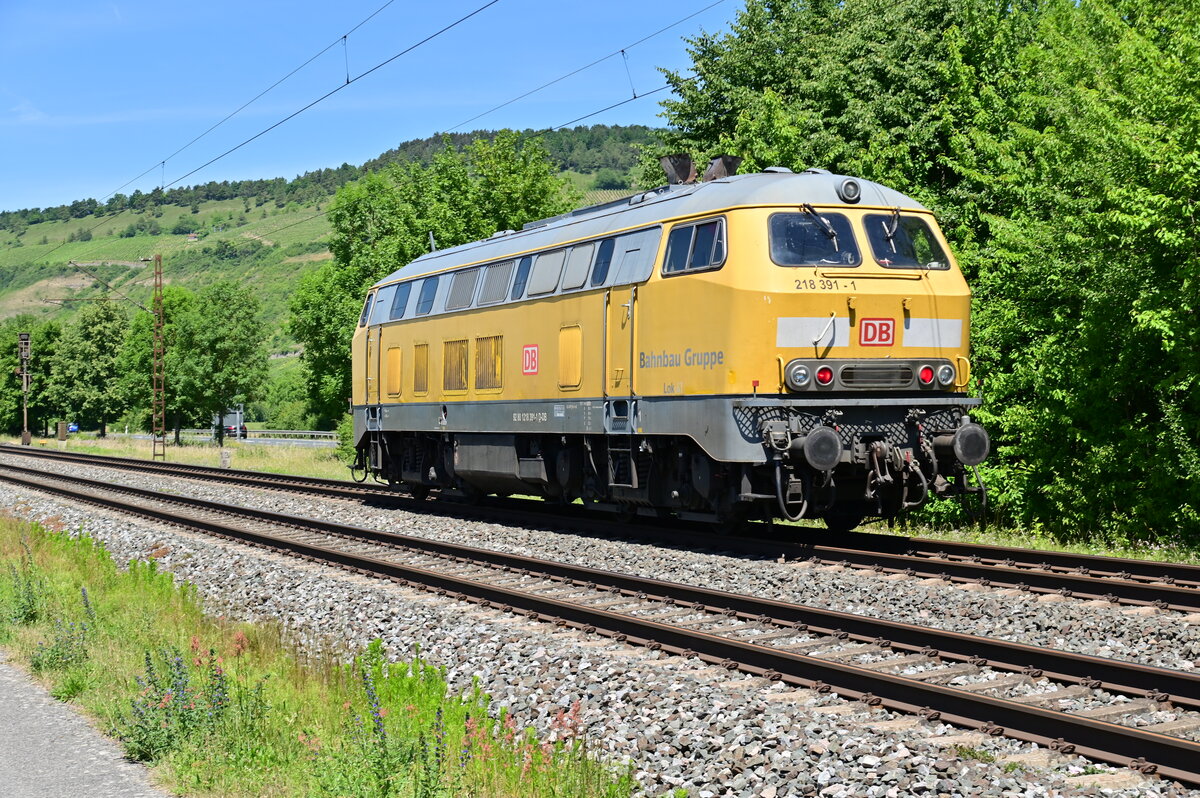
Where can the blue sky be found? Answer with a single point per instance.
(94, 93)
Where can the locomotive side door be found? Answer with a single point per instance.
(371, 359)
(372, 375)
(618, 341)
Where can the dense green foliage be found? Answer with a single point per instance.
(1058, 142)
(385, 221)
(579, 149)
(214, 355)
(43, 342)
(83, 371)
(96, 368)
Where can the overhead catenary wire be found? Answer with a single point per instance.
(606, 108)
(334, 91)
(260, 95)
(350, 80)
(107, 285)
(559, 79)
(325, 96)
(585, 67)
(319, 214)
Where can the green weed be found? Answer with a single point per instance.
(965, 752)
(230, 709)
(28, 589)
(67, 648)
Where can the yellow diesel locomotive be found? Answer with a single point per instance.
(762, 345)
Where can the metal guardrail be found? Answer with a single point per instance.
(267, 433)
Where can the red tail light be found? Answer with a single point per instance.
(825, 375)
(925, 375)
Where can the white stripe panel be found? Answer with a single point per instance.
(799, 331)
(933, 333)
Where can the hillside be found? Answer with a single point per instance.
(269, 248)
(263, 232)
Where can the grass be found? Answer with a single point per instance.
(1037, 540)
(217, 708)
(245, 455)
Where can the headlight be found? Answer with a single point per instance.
(945, 375)
(925, 375)
(824, 375)
(849, 190)
(797, 375)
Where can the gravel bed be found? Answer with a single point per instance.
(1164, 639)
(676, 723)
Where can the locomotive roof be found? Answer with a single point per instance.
(775, 187)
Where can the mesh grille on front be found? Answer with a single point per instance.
(877, 375)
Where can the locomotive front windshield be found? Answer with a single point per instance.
(904, 242)
(812, 239)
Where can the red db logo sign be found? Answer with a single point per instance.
(529, 360)
(877, 332)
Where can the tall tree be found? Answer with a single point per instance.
(84, 374)
(44, 339)
(221, 360)
(135, 360)
(10, 383)
(385, 220)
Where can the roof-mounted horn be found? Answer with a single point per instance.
(679, 168)
(722, 166)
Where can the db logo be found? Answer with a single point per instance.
(877, 332)
(529, 360)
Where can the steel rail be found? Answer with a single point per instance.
(1134, 582)
(1171, 756)
(337, 488)
(1125, 677)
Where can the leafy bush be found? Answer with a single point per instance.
(177, 700)
(345, 437)
(67, 648)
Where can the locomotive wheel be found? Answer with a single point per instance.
(419, 492)
(734, 522)
(843, 521)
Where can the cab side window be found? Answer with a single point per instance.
(695, 247)
(366, 311)
(604, 256)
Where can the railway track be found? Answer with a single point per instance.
(898, 666)
(1164, 585)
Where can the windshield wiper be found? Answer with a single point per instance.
(826, 227)
(889, 233)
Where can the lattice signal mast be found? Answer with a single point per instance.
(158, 400)
(23, 372)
